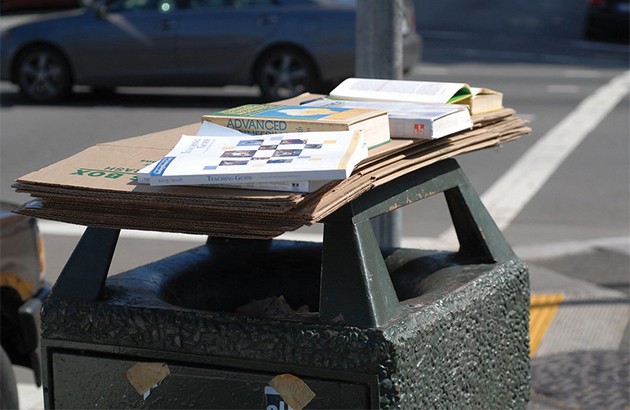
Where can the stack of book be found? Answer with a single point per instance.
(302, 146)
(106, 185)
(272, 147)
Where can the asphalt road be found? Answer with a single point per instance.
(570, 195)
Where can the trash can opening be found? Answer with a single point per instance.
(282, 280)
(253, 281)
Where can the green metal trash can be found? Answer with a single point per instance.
(225, 325)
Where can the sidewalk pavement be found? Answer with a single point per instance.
(580, 331)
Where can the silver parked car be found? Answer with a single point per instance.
(284, 46)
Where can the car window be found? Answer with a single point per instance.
(229, 3)
(209, 3)
(245, 3)
(121, 6)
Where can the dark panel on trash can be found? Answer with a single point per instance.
(100, 382)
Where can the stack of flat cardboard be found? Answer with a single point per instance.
(96, 187)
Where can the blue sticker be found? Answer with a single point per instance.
(161, 166)
(274, 401)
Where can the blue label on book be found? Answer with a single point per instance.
(161, 166)
(301, 112)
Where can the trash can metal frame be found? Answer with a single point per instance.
(357, 268)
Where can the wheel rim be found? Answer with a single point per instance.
(43, 76)
(284, 76)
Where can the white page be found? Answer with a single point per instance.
(395, 90)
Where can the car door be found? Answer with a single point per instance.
(129, 42)
(217, 39)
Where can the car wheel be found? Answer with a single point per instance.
(8, 387)
(284, 73)
(43, 74)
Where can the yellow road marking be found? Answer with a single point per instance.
(542, 310)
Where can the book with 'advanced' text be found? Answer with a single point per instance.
(261, 119)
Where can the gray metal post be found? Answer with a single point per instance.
(379, 55)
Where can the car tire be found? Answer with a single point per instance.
(8, 386)
(43, 74)
(284, 73)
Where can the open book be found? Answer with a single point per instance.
(419, 92)
(227, 160)
(412, 120)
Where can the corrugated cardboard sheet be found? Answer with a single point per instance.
(96, 187)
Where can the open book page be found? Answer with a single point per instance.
(400, 90)
(200, 160)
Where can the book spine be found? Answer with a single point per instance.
(294, 186)
(230, 179)
(411, 128)
(297, 186)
